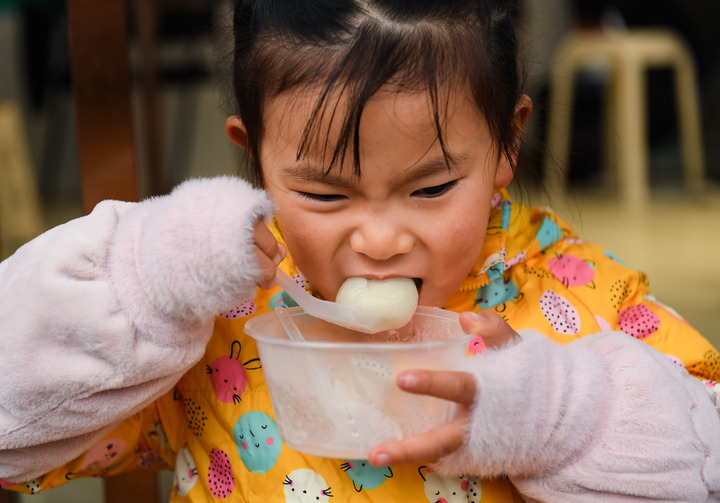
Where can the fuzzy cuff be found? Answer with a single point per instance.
(190, 255)
(605, 418)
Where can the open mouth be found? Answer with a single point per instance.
(418, 284)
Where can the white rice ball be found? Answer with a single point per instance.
(394, 299)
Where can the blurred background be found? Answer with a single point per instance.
(178, 54)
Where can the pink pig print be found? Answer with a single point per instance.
(228, 375)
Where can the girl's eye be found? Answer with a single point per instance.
(321, 197)
(435, 190)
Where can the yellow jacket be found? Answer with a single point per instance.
(215, 428)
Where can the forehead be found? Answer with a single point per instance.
(391, 119)
(288, 111)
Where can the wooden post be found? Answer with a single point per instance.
(103, 105)
(102, 93)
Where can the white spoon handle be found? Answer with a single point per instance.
(362, 320)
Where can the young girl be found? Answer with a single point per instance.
(384, 133)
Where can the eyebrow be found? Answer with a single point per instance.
(418, 171)
(426, 169)
(308, 173)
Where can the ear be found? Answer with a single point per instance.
(505, 170)
(235, 130)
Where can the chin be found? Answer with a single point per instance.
(429, 300)
(431, 295)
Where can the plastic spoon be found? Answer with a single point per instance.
(355, 318)
(288, 324)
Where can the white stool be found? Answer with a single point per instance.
(20, 215)
(626, 56)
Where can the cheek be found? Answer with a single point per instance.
(457, 246)
(464, 242)
(299, 236)
(463, 232)
(309, 238)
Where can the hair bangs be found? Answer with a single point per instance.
(373, 47)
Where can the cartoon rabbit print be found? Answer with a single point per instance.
(228, 375)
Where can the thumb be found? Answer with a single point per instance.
(491, 326)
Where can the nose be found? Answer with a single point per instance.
(380, 238)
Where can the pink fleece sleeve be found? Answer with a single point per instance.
(605, 418)
(101, 315)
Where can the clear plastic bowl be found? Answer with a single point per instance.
(334, 394)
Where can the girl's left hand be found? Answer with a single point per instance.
(458, 387)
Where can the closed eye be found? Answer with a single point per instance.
(321, 197)
(436, 190)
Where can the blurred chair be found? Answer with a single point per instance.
(626, 56)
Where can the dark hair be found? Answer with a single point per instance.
(360, 46)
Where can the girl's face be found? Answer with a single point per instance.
(408, 215)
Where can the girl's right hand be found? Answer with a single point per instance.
(269, 253)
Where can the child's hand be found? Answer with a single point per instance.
(269, 254)
(459, 387)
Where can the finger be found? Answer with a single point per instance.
(267, 244)
(269, 253)
(267, 268)
(491, 326)
(428, 446)
(458, 387)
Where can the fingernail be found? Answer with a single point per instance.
(478, 316)
(381, 459)
(277, 259)
(407, 380)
